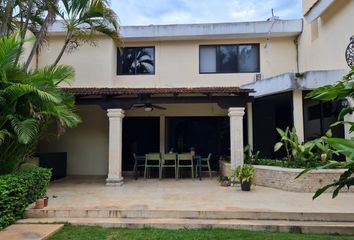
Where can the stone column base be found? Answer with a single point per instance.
(114, 181)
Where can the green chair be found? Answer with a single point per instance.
(152, 160)
(139, 162)
(205, 163)
(168, 161)
(185, 160)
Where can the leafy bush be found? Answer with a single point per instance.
(291, 164)
(244, 173)
(19, 189)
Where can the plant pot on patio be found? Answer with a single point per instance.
(39, 203)
(245, 175)
(224, 181)
(45, 201)
(246, 186)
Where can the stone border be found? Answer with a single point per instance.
(284, 178)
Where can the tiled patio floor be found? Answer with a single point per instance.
(90, 193)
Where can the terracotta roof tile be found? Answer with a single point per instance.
(87, 91)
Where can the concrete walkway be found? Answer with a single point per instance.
(75, 193)
(29, 231)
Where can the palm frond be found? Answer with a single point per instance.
(25, 130)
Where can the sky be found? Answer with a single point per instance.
(140, 12)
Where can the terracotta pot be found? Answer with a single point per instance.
(45, 201)
(246, 186)
(39, 203)
(225, 183)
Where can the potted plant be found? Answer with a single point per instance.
(245, 175)
(224, 181)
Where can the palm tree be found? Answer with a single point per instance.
(28, 102)
(82, 19)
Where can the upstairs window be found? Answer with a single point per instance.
(241, 58)
(136, 60)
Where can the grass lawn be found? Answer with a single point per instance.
(97, 233)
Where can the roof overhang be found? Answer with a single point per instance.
(290, 81)
(125, 98)
(275, 28)
(317, 9)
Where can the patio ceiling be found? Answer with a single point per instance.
(125, 98)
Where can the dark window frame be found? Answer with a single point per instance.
(217, 46)
(119, 56)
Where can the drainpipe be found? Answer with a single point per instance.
(296, 42)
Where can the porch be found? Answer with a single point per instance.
(120, 122)
(77, 194)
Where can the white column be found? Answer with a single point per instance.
(162, 134)
(115, 147)
(298, 114)
(236, 136)
(250, 124)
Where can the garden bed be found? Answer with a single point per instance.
(284, 178)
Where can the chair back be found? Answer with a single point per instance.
(185, 157)
(209, 156)
(169, 157)
(153, 158)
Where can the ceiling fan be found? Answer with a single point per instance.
(148, 107)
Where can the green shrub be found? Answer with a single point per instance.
(19, 189)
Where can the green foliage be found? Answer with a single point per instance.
(70, 232)
(304, 155)
(28, 102)
(250, 155)
(244, 173)
(295, 150)
(292, 164)
(339, 91)
(19, 189)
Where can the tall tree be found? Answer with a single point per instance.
(82, 19)
(28, 101)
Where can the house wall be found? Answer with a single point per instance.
(323, 42)
(87, 145)
(176, 64)
(307, 4)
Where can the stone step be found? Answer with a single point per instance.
(190, 214)
(317, 227)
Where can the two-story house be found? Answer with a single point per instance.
(214, 87)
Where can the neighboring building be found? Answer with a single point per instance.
(198, 80)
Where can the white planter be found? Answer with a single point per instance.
(225, 168)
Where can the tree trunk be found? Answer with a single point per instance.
(67, 40)
(24, 27)
(7, 17)
(39, 38)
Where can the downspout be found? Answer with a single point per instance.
(296, 42)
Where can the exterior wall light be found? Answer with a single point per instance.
(349, 53)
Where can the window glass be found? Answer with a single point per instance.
(248, 60)
(208, 59)
(136, 60)
(227, 59)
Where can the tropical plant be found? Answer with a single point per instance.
(244, 173)
(82, 19)
(28, 102)
(341, 90)
(250, 155)
(295, 150)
